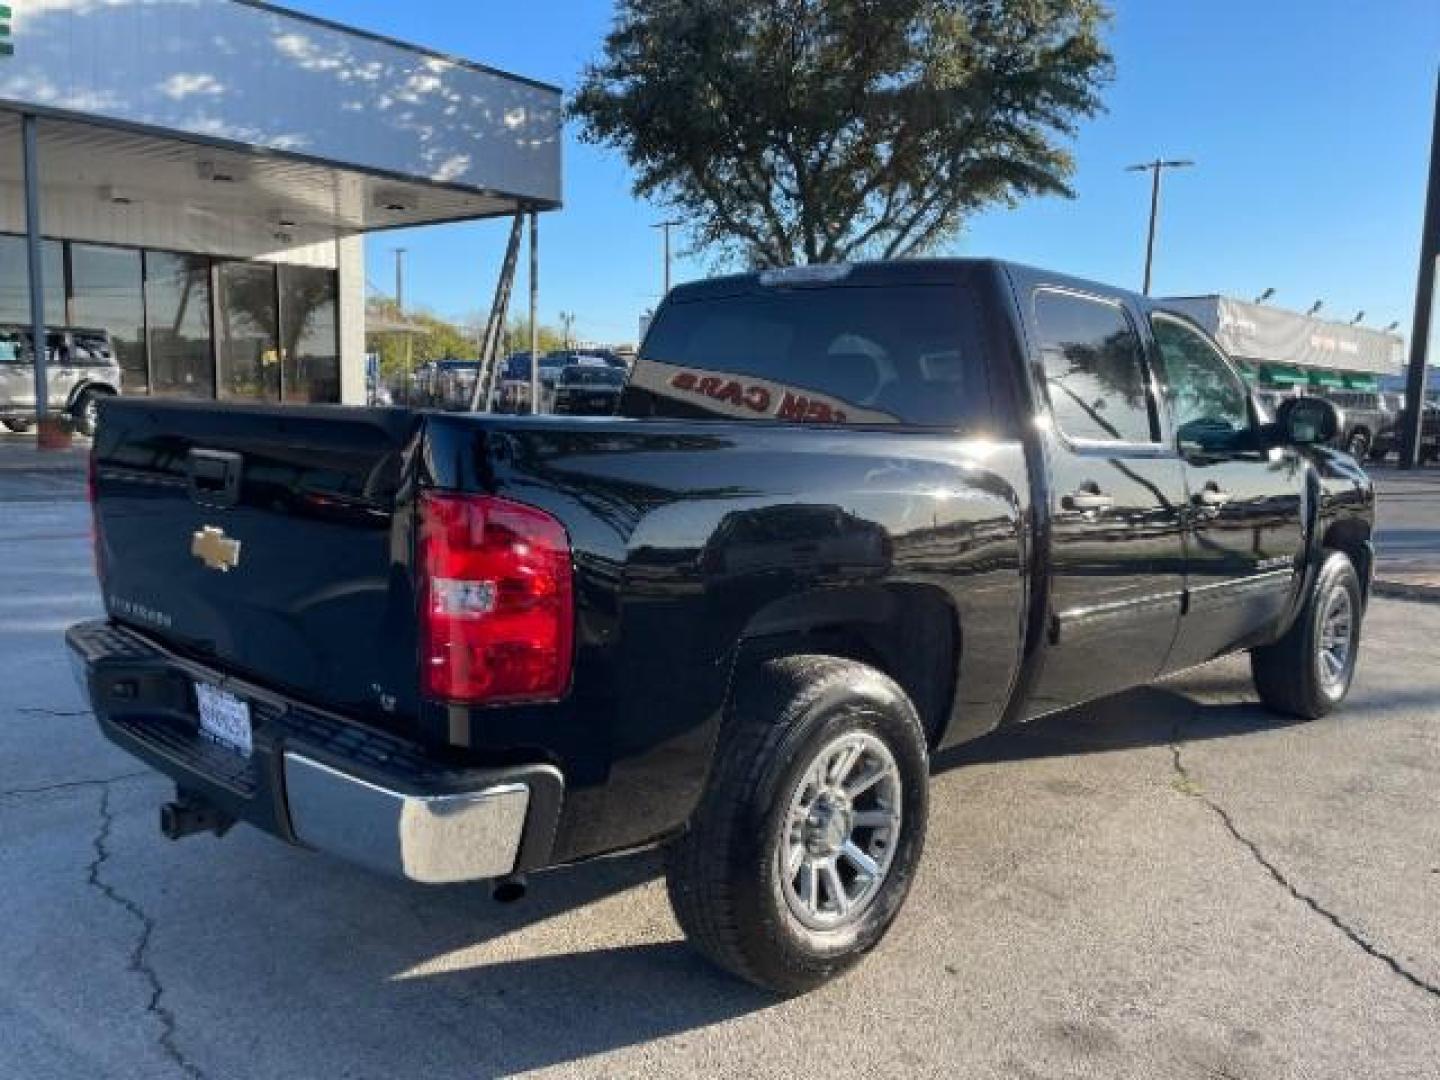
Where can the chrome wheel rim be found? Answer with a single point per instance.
(841, 830)
(1337, 638)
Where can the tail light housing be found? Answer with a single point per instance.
(496, 601)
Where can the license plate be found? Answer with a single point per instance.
(224, 718)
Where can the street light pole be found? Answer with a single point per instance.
(665, 227)
(1155, 168)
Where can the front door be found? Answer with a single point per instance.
(1117, 505)
(1245, 534)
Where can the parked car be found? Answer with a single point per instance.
(589, 390)
(826, 539)
(512, 394)
(81, 370)
(1368, 422)
(1391, 438)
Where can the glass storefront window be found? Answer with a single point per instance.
(310, 333)
(185, 325)
(107, 293)
(15, 281)
(177, 302)
(246, 340)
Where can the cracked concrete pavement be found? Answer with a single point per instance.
(1170, 883)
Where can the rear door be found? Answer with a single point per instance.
(1117, 502)
(1245, 534)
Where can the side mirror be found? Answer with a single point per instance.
(1307, 421)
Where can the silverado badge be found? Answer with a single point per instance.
(216, 550)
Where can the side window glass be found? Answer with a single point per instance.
(14, 349)
(91, 349)
(1207, 398)
(1094, 369)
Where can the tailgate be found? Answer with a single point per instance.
(266, 541)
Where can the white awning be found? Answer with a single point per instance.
(243, 125)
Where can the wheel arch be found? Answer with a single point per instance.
(909, 632)
(87, 386)
(1351, 536)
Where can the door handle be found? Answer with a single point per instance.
(1087, 500)
(1213, 496)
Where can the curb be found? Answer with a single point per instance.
(1399, 590)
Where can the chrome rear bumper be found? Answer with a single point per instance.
(435, 839)
(315, 778)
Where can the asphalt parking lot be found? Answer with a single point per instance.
(1171, 883)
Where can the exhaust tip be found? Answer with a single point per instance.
(509, 889)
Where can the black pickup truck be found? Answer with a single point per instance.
(849, 516)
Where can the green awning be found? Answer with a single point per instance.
(1362, 382)
(1282, 375)
(1248, 372)
(1331, 379)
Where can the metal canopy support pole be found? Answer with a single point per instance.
(1414, 415)
(534, 311)
(488, 375)
(37, 279)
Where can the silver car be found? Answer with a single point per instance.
(81, 368)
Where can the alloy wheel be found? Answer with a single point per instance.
(1337, 638)
(842, 829)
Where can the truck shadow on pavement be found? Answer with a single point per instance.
(397, 978)
(590, 962)
(1156, 715)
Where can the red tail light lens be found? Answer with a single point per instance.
(497, 612)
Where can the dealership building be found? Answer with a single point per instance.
(1291, 352)
(205, 172)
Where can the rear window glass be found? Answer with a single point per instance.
(910, 354)
(1094, 369)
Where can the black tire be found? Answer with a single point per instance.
(85, 413)
(19, 427)
(724, 875)
(1358, 445)
(1291, 675)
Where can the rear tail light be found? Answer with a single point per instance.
(496, 604)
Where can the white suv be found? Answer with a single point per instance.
(80, 369)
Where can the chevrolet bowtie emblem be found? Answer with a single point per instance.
(216, 550)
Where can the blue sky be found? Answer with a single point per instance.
(1309, 123)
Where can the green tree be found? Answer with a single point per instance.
(434, 339)
(789, 131)
(517, 336)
